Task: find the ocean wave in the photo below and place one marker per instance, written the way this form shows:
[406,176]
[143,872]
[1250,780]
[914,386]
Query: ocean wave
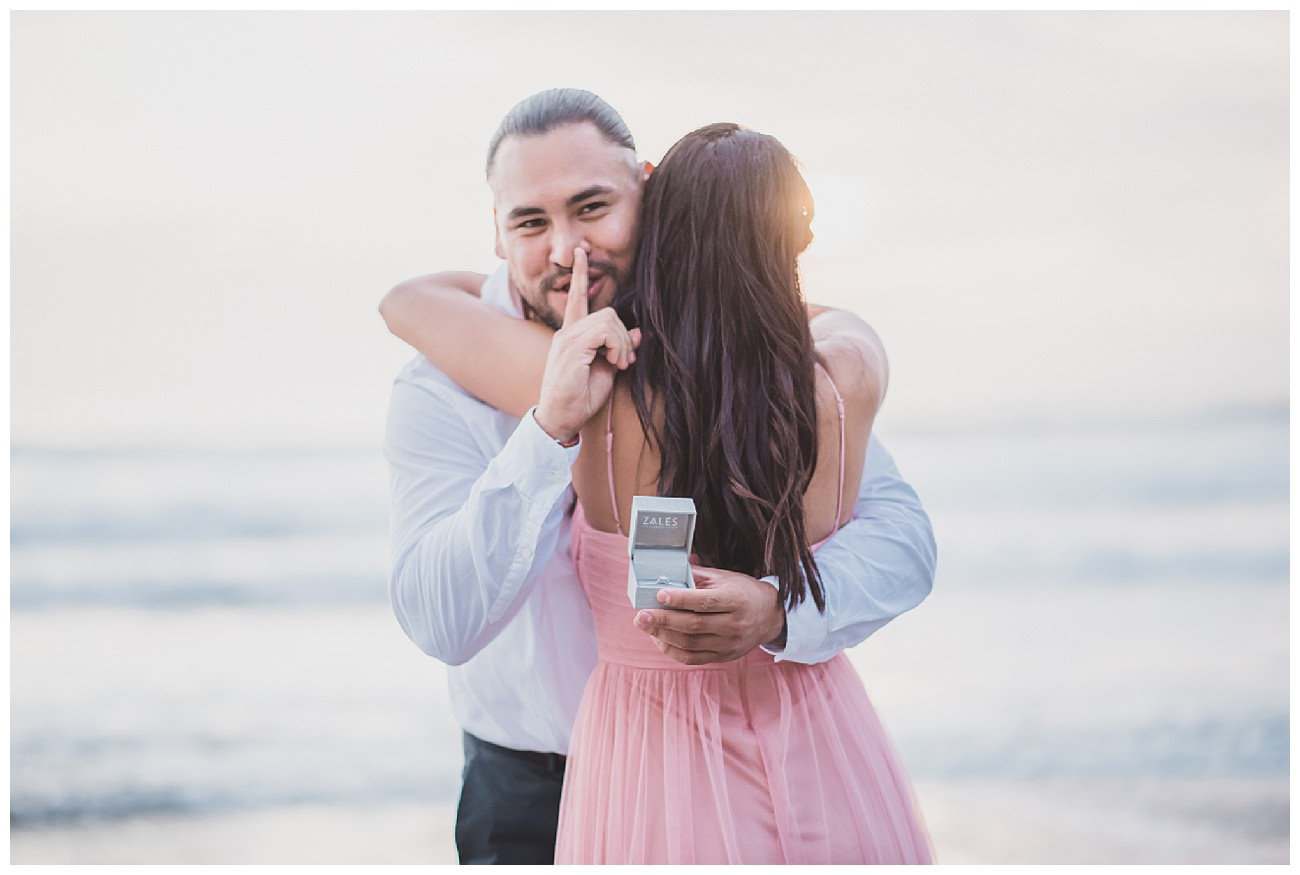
[103,497]
[1199,502]
[201,593]
[188,572]
[184,523]
[116,803]
[81,774]
[1211,746]
[118,712]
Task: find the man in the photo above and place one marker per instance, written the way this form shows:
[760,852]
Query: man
[482,577]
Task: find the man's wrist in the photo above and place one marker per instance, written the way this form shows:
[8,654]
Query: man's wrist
[566,439]
[777,644]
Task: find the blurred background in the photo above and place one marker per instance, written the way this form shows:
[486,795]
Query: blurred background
[1070,229]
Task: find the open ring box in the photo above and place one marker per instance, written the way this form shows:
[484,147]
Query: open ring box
[659,545]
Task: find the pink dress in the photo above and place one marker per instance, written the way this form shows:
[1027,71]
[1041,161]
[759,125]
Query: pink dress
[751,761]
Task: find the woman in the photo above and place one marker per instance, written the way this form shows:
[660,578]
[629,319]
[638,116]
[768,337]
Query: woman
[761,416]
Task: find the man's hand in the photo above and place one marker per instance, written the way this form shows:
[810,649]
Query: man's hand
[584,355]
[730,615]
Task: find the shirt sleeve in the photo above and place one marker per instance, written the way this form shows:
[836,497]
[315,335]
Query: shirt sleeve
[471,528]
[878,566]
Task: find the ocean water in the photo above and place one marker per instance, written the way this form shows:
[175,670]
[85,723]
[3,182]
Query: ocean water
[200,639]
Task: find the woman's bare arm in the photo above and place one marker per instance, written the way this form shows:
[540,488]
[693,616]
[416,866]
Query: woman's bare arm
[495,357]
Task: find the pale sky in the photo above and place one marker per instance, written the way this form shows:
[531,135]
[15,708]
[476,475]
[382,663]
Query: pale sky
[1067,217]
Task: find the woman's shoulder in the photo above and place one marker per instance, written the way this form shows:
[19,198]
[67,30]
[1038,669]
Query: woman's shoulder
[852,354]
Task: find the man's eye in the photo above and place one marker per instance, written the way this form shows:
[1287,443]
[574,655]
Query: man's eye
[530,224]
[592,207]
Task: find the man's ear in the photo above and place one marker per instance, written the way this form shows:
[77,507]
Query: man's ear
[496,236]
[646,169]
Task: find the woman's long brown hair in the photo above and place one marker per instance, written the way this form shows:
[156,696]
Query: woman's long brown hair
[723,382]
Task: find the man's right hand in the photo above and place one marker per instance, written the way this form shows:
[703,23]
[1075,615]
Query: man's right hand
[586,352]
[727,615]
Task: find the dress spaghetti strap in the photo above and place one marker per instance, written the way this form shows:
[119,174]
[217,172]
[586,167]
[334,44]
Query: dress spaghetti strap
[609,461]
[839,493]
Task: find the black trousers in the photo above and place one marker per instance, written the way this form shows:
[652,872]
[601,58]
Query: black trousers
[509,805]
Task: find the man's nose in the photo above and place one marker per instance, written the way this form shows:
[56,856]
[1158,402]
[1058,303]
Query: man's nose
[565,237]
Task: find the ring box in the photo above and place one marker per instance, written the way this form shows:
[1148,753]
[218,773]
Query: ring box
[659,546]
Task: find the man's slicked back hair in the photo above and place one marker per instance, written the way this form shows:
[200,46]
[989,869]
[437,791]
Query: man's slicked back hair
[548,110]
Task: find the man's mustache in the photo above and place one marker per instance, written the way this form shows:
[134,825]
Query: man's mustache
[552,282]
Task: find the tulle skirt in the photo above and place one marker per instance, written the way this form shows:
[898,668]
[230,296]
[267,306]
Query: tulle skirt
[751,761]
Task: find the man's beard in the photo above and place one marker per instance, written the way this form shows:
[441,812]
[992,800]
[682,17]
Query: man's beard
[537,308]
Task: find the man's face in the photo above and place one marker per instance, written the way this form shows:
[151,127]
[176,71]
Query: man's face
[553,193]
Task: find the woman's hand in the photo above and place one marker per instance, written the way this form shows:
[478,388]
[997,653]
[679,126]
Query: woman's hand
[586,353]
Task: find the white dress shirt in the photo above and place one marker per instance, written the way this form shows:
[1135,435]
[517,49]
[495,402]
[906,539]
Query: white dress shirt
[483,580]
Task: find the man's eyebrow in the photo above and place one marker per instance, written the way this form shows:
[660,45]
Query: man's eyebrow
[520,212]
[586,193]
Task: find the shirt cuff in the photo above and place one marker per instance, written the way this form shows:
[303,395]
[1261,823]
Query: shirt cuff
[534,460]
[805,629]
[776,651]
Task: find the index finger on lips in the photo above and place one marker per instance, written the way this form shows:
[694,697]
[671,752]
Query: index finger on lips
[576,307]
